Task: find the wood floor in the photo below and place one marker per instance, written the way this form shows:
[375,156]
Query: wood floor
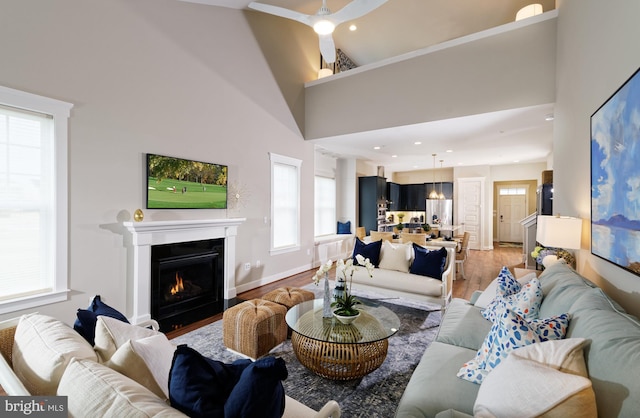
[480,269]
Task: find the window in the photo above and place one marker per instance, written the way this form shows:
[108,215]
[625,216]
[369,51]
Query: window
[285,204]
[325,206]
[33,200]
[512,191]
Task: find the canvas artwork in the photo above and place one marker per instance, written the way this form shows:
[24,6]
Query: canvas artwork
[615,177]
[177,183]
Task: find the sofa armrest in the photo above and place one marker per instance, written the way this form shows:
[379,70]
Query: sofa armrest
[295,409]
[452,413]
[8,379]
[330,410]
[149,323]
[474,296]
[447,274]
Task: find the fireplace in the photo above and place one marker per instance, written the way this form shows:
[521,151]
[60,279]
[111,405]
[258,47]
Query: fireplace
[150,234]
[187,282]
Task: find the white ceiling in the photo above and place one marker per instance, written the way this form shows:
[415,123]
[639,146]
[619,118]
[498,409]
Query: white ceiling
[401,26]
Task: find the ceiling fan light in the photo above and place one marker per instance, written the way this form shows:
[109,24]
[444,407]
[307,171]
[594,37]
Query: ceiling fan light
[323,27]
[324,72]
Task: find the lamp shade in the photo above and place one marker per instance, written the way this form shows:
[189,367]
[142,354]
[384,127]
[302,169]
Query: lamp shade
[559,232]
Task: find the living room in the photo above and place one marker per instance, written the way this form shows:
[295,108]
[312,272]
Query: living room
[142,81]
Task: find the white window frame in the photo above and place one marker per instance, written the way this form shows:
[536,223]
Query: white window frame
[60,111]
[277,159]
[334,224]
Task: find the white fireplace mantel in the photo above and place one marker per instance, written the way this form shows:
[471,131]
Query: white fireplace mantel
[146,234]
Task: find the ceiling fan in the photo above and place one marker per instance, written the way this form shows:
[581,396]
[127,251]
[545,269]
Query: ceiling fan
[323,22]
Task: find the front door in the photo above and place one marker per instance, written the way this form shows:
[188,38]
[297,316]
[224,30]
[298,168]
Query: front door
[511,210]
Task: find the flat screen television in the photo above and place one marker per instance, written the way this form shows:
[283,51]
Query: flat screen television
[178,183]
[615,177]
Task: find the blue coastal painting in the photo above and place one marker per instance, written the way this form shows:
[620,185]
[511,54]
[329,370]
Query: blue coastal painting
[615,177]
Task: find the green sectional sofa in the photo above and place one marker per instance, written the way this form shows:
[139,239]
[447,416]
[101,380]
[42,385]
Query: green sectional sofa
[611,352]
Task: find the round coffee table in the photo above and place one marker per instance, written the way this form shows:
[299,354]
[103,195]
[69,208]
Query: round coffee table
[338,351]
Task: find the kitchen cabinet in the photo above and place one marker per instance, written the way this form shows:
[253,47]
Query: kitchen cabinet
[445,187]
[393,196]
[372,195]
[412,197]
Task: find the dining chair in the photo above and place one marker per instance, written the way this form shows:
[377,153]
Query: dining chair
[463,253]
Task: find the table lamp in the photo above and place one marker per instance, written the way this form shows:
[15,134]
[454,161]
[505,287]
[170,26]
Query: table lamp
[561,232]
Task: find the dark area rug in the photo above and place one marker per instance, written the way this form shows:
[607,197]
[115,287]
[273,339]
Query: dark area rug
[375,395]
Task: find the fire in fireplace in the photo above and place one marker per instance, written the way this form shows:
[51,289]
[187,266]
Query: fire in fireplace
[187,282]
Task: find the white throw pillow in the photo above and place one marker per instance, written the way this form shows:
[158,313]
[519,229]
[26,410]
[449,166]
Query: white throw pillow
[95,390]
[395,256]
[112,333]
[489,294]
[147,361]
[532,382]
[42,348]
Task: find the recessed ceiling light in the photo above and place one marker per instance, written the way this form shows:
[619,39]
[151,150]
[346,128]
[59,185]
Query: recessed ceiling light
[449,150]
[516,161]
[352,28]
[394,156]
[549,117]
[417,143]
[376,147]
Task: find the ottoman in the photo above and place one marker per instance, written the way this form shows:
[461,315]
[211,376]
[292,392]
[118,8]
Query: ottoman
[289,296]
[254,327]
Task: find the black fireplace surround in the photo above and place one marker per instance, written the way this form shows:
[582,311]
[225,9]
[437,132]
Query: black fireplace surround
[187,282]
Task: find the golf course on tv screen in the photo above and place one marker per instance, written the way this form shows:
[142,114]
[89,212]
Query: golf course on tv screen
[176,183]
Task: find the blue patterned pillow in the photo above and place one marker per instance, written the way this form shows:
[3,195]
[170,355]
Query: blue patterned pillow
[510,331]
[525,302]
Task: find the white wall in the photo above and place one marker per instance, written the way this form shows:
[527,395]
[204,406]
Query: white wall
[347,191]
[159,76]
[597,52]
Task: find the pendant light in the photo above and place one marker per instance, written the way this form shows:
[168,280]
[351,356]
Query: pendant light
[441,195]
[434,194]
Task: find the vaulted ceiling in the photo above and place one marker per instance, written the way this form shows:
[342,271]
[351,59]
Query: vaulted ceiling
[403,26]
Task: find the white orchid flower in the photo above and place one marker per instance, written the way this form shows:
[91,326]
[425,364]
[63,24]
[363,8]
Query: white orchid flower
[322,271]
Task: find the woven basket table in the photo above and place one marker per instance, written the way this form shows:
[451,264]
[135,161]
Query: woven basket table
[288,296]
[254,327]
[337,351]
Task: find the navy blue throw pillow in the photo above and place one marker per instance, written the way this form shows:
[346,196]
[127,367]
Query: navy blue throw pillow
[85,323]
[344,227]
[370,251]
[200,386]
[428,263]
[259,392]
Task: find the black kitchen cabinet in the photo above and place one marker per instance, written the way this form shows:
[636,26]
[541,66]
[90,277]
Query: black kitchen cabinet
[445,187]
[412,197]
[393,196]
[372,192]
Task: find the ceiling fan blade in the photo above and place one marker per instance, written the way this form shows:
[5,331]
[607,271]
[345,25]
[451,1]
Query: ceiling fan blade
[327,48]
[280,11]
[355,9]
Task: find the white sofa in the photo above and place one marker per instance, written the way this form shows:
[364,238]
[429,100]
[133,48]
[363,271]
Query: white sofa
[52,359]
[393,277]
